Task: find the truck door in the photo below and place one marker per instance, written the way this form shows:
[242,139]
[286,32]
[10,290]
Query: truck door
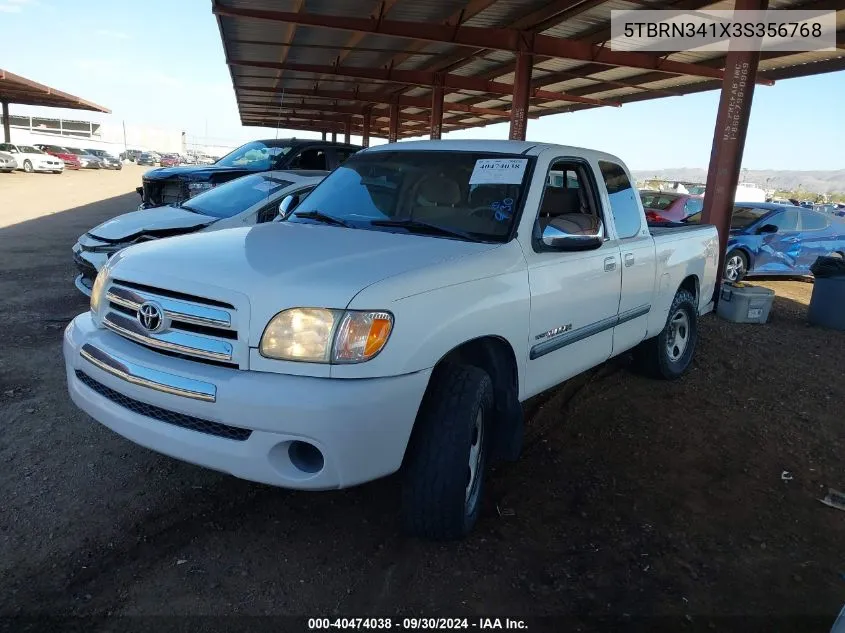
[574,295]
[638,257]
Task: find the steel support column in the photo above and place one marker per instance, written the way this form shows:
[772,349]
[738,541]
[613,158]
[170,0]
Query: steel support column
[334,136]
[346,129]
[365,137]
[436,112]
[7,133]
[521,90]
[324,136]
[393,132]
[729,136]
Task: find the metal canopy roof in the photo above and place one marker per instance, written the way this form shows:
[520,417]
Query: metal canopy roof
[321,64]
[17,89]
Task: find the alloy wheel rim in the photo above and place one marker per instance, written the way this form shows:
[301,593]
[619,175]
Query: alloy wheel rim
[474,462]
[679,335]
[734,268]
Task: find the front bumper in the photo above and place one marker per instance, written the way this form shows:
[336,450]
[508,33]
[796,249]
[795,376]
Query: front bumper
[88,264]
[48,168]
[360,427]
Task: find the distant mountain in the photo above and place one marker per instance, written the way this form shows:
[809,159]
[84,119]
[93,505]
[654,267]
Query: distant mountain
[813,181]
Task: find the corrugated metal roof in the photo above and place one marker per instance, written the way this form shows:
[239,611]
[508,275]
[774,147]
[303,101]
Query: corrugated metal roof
[346,60]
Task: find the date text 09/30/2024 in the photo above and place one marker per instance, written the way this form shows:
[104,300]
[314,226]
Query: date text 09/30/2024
[416,624]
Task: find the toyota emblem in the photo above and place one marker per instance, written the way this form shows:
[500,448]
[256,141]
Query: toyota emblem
[150,316]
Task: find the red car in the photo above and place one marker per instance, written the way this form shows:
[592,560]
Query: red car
[70,160]
[668,206]
[170,160]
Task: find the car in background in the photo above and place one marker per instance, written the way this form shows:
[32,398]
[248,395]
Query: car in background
[8,164]
[187,159]
[108,161]
[172,185]
[131,155]
[70,160]
[170,160]
[30,159]
[252,199]
[86,160]
[777,239]
[668,206]
[146,158]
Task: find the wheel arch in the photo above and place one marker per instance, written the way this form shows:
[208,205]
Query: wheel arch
[496,356]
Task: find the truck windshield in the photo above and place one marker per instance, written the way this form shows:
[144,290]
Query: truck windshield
[470,195]
[256,155]
[238,195]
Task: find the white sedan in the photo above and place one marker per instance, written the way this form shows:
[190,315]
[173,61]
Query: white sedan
[32,159]
[245,201]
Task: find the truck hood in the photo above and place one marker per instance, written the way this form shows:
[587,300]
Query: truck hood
[196,173]
[283,265]
[158,222]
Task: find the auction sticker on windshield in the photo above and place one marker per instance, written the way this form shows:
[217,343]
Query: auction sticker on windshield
[498,171]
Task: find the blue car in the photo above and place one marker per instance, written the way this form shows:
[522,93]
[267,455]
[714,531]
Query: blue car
[778,239]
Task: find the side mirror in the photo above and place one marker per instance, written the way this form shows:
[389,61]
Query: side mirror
[767,228]
[571,233]
[287,206]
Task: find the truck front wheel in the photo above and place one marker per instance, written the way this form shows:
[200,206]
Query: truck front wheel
[669,354]
[443,473]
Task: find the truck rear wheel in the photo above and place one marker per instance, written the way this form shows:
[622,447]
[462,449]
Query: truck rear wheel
[443,474]
[669,354]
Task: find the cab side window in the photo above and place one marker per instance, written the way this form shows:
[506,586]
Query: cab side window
[314,158]
[623,200]
[568,202]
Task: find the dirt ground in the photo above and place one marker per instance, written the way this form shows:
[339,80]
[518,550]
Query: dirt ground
[637,505]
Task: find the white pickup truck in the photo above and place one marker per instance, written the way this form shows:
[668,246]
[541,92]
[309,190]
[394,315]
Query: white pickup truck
[396,321]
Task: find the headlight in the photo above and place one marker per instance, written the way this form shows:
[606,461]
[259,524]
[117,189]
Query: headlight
[195,188]
[320,335]
[98,289]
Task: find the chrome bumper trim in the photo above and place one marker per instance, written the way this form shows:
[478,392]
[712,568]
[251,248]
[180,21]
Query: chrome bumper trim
[146,377]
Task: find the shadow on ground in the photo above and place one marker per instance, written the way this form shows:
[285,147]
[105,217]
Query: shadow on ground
[634,499]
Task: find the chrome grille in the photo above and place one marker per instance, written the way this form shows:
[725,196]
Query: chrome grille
[204,330]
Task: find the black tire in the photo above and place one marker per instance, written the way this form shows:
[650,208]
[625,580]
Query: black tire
[654,358]
[437,501]
[27,167]
[736,258]
[57,172]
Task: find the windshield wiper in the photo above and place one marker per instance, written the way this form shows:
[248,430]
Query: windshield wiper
[321,217]
[416,226]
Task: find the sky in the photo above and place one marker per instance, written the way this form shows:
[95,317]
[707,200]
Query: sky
[160,63]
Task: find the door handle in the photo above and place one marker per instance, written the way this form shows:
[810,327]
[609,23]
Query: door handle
[629,259]
[609,264]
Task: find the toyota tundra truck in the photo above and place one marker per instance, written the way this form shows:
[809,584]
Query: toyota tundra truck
[394,323]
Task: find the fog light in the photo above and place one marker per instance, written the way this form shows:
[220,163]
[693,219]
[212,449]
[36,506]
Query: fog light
[306,457]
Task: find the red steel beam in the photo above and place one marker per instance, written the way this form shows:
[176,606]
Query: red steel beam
[394,123]
[421,78]
[729,136]
[375,98]
[365,132]
[339,111]
[503,39]
[404,102]
[436,113]
[521,89]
